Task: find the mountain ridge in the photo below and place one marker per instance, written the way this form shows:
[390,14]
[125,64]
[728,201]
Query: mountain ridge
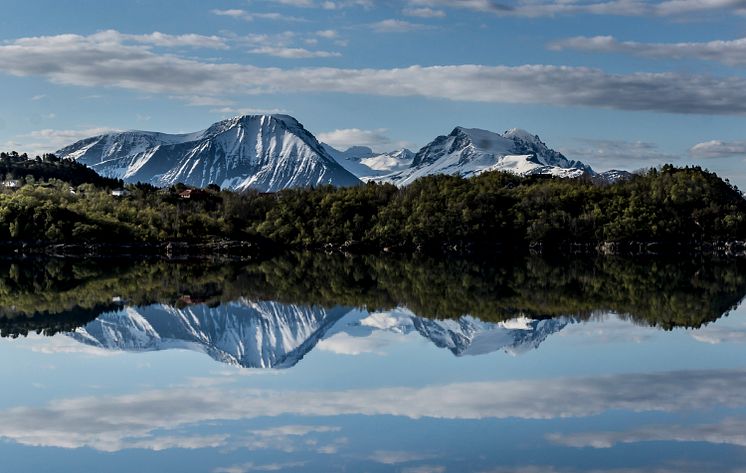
[263,152]
[274,152]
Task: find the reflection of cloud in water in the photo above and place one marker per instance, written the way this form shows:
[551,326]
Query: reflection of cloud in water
[55,345]
[716,334]
[729,431]
[394,457]
[345,344]
[608,328]
[425,469]
[248,467]
[678,467]
[117,422]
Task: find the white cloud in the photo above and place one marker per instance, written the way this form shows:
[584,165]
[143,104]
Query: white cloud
[393,25]
[328,34]
[247,16]
[173,41]
[292,53]
[347,137]
[718,149]
[731,52]
[424,12]
[88,61]
[294,430]
[327,4]
[544,8]
[233,13]
[50,140]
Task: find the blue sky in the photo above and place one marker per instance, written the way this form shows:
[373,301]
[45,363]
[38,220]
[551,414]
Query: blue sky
[614,83]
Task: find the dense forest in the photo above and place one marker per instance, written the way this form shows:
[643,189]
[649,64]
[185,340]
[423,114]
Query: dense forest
[63,202]
[47,296]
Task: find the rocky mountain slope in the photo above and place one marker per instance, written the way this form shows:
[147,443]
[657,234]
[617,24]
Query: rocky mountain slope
[471,151]
[263,152]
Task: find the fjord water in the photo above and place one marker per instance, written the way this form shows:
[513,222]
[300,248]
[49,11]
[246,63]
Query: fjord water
[330,363]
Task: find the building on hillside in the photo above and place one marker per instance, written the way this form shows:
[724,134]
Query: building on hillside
[192,194]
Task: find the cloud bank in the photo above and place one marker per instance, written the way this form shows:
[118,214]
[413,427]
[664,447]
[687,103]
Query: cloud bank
[113,61]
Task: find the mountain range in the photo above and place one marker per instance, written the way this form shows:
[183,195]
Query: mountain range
[273,152]
[265,334]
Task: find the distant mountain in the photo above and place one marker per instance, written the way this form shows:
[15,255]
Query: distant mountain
[263,152]
[364,163]
[471,151]
[393,161]
[274,335]
[353,153]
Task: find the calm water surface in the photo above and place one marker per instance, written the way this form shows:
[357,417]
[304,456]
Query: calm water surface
[320,363]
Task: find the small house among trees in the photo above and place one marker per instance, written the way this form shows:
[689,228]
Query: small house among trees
[192,194]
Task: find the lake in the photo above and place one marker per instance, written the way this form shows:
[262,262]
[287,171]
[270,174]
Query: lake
[367,364]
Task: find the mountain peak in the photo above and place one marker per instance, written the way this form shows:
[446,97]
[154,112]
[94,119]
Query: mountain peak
[522,135]
[472,151]
[285,121]
[263,152]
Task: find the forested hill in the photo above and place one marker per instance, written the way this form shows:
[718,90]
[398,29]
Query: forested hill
[670,207]
[22,168]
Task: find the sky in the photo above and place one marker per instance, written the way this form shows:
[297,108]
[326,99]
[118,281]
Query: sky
[617,84]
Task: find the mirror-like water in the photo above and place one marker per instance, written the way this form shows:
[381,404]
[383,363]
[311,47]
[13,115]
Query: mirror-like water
[322,363]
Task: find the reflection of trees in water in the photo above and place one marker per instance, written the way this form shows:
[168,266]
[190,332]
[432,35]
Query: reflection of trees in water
[48,296]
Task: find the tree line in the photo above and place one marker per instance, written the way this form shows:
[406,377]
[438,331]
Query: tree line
[64,202]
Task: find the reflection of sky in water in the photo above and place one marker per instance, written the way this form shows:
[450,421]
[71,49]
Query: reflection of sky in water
[375,394]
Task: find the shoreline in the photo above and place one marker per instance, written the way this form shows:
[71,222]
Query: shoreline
[245,250]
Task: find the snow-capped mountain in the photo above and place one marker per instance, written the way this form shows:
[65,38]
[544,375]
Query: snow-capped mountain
[263,152]
[393,161]
[364,163]
[471,151]
[245,333]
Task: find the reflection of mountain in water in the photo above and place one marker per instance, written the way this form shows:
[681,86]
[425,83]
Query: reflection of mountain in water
[463,336]
[245,333]
[275,335]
